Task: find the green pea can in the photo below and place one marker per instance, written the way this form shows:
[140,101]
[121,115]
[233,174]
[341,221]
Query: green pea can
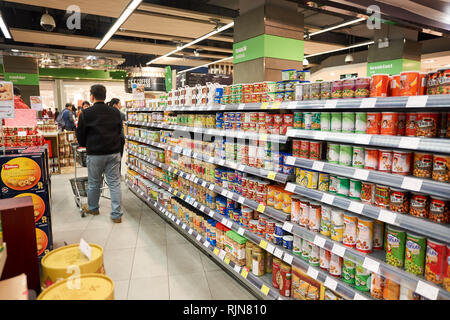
[333,153]
[298,119]
[362,279]
[325,121]
[334,183]
[348,122]
[348,271]
[395,246]
[345,155]
[343,186]
[336,121]
[358,157]
[354,191]
[360,122]
[415,253]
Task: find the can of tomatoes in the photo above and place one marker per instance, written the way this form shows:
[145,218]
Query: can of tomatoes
[315,150]
[373,122]
[371,158]
[389,123]
[410,126]
[304,149]
[401,162]
[385,160]
[367,192]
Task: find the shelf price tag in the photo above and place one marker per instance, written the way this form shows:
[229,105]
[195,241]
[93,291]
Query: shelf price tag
[330,283]
[288,258]
[263,244]
[318,165]
[288,226]
[182,196]
[204,184]
[241,106]
[313,273]
[175,192]
[222,254]
[327,198]
[371,265]
[190,231]
[226,260]
[270,248]
[211,186]
[292,105]
[264,105]
[290,187]
[361,174]
[409,143]
[199,237]
[265,289]
[357,296]
[261,208]
[202,208]
[290,161]
[356,207]
[224,221]
[241,231]
[331,104]
[276,105]
[241,200]
[411,184]
[271,175]
[211,213]
[244,272]
[417,102]
[319,241]
[278,253]
[85,248]
[368,103]
[387,216]
[338,250]
[241,167]
[426,290]
[237,268]
[362,138]
[224,193]
[206,244]
[184,226]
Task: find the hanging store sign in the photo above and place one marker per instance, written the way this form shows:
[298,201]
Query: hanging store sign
[148,83]
[28,79]
[392,67]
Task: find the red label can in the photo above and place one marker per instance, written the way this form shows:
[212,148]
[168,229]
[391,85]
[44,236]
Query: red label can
[373,122]
[385,160]
[304,149]
[389,123]
[371,159]
[286,279]
[278,119]
[288,119]
[296,147]
[435,262]
[269,119]
[410,130]
[401,130]
[315,150]
[401,162]
[276,267]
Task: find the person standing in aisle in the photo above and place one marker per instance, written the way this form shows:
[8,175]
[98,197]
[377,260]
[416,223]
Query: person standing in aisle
[67,118]
[115,103]
[99,130]
[18,102]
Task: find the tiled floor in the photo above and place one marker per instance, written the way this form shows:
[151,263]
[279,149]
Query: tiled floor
[146,257]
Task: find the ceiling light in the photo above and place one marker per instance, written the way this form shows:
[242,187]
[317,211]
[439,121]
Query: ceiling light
[4,28]
[336,27]
[77,78]
[332,73]
[341,49]
[196,53]
[14,50]
[305,62]
[206,36]
[123,17]
[205,65]
[88,67]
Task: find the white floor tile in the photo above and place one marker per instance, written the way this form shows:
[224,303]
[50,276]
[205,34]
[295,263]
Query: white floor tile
[122,238]
[121,289]
[208,263]
[118,263]
[191,286]
[183,259]
[224,287]
[69,237]
[154,288]
[98,236]
[150,261]
[174,237]
[151,234]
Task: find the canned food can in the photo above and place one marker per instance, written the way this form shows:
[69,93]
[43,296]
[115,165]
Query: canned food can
[337,232]
[345,155]
[315,150]
[348,122]
[288,242]
[439,210]
[398,201]
[324,181]
[382,196]
[307,119]
[312,179]
[385,160]
[279,240]
[436,262]
[325,121]
[304,218]
[314,255]
[303,179]
[358,157]
[350,226]
[410,126]
[334,183]
[401,130]
[419,206]
[304,149]
[377,286]
[378,234]
[314,216]
[336,121]
[325,90]
[279,229]
[360,122]
[298,120]
[306,250]
[415,253]
[297,246]
[325,221]
[354,189]
[373,122]
[336,89]
[348,271]
[389,123]
[362,279]
[364,235]
[315,121]
[395,246]
[371,158]
[324,256]
[343,186]
[335,265]
[333,153]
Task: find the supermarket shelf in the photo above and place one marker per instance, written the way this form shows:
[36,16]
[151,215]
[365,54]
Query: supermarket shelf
[433,101]
[50,134]
[269,211]
[286,255]
[3,256]
[267,174]
[261,285]
[427,186]
[375,262]
[425,227]
[214,132]
[412,143]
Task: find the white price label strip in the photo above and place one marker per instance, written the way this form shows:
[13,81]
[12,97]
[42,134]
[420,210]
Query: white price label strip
[426,290]
[190,231]
[211,213]
[362,138]
[230,194]
[241,106]
[338,250]
[199,237]
[327,198]
[241,167]
[292,105]
[206,244]
[387,216]
[371,265]
[288,226]
[356,207]
[361,174]
[368,103]
[237,268]
[318,166]
[224,193]
[288,258]
[202,208]
[313,273]
[204,184]
[184,226]
[241,200]
[224,221]
[290,187]
[241,231]
[330,283]
[331,104]
[357,296]
[278,253]
[417,102]
[409,143]
[319,241]
[320,135]
[222,254]
[229,224]
[411,184]
[290,161]
[270,248]
[211,187]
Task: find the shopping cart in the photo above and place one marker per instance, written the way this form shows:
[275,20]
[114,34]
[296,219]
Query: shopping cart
[80,184]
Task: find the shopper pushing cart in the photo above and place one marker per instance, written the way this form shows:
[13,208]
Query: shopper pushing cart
[99,130]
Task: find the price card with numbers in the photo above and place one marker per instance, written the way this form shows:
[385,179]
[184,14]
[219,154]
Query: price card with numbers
[241,231]
[271,175]
[263,244]
[199,237]
[312,272]
[288,258]
[427,290]
[330,283]
[270,248]
[288,226]
[265,289]
[190,231]
[237,268]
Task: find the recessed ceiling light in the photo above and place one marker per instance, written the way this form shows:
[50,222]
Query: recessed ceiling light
[14,50]
[77,78]
[332,73]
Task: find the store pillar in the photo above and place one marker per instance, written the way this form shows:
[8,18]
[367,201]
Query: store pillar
[402,51]
[268,38]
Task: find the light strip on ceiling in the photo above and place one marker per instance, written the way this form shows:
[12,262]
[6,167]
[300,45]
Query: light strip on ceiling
[341,49]
[336,27]
[4,28]
[123,17]
[205,65]
[206,36]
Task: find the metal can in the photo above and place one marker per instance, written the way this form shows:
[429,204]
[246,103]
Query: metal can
[373,122]
[385,160]
[398,201]
[348,271]
[410,130]
[306,250]
[312,179]
[333,153]
[436,262]
[350,225]
[360,122]
[371,159]
[303,179]
[307,119]
[325,121]
[335,265]
[378,235]
[324,181]
[314,255]
[345,155]
[288,242]
[439,210]
[395,246]
[415,253]
[401,162]
[295,209]
[315,121]
[362,279]
[377,286]
[382,196]
[315,150]
[324,259]
[358,157]
[348,122]
[279,229]
[389,123]
[314,216]
[343,186]
[334,183]
[336,121]
[297,246]
[419,206]
[304,149]
[304,218]
[325,220]
[364,235]
[354,192]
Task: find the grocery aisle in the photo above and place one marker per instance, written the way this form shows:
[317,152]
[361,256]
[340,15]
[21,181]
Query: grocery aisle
[146,257]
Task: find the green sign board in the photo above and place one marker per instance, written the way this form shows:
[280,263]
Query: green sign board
[30,79]
[268,46]
[392,67]
[168,78]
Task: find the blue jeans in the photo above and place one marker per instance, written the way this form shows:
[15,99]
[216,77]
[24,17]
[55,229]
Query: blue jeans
[110,166]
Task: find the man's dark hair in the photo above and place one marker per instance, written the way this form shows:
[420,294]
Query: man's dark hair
[17,91]
[113,102]
[68,105]
[85,102]
[99,92]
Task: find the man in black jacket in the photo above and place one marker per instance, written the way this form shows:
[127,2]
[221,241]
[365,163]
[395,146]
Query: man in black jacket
[99,130]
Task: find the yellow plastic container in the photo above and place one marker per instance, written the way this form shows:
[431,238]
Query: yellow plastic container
[64,262]
[90,286]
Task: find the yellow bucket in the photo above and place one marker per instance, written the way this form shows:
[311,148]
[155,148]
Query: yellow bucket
[68,261]
[90,286]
